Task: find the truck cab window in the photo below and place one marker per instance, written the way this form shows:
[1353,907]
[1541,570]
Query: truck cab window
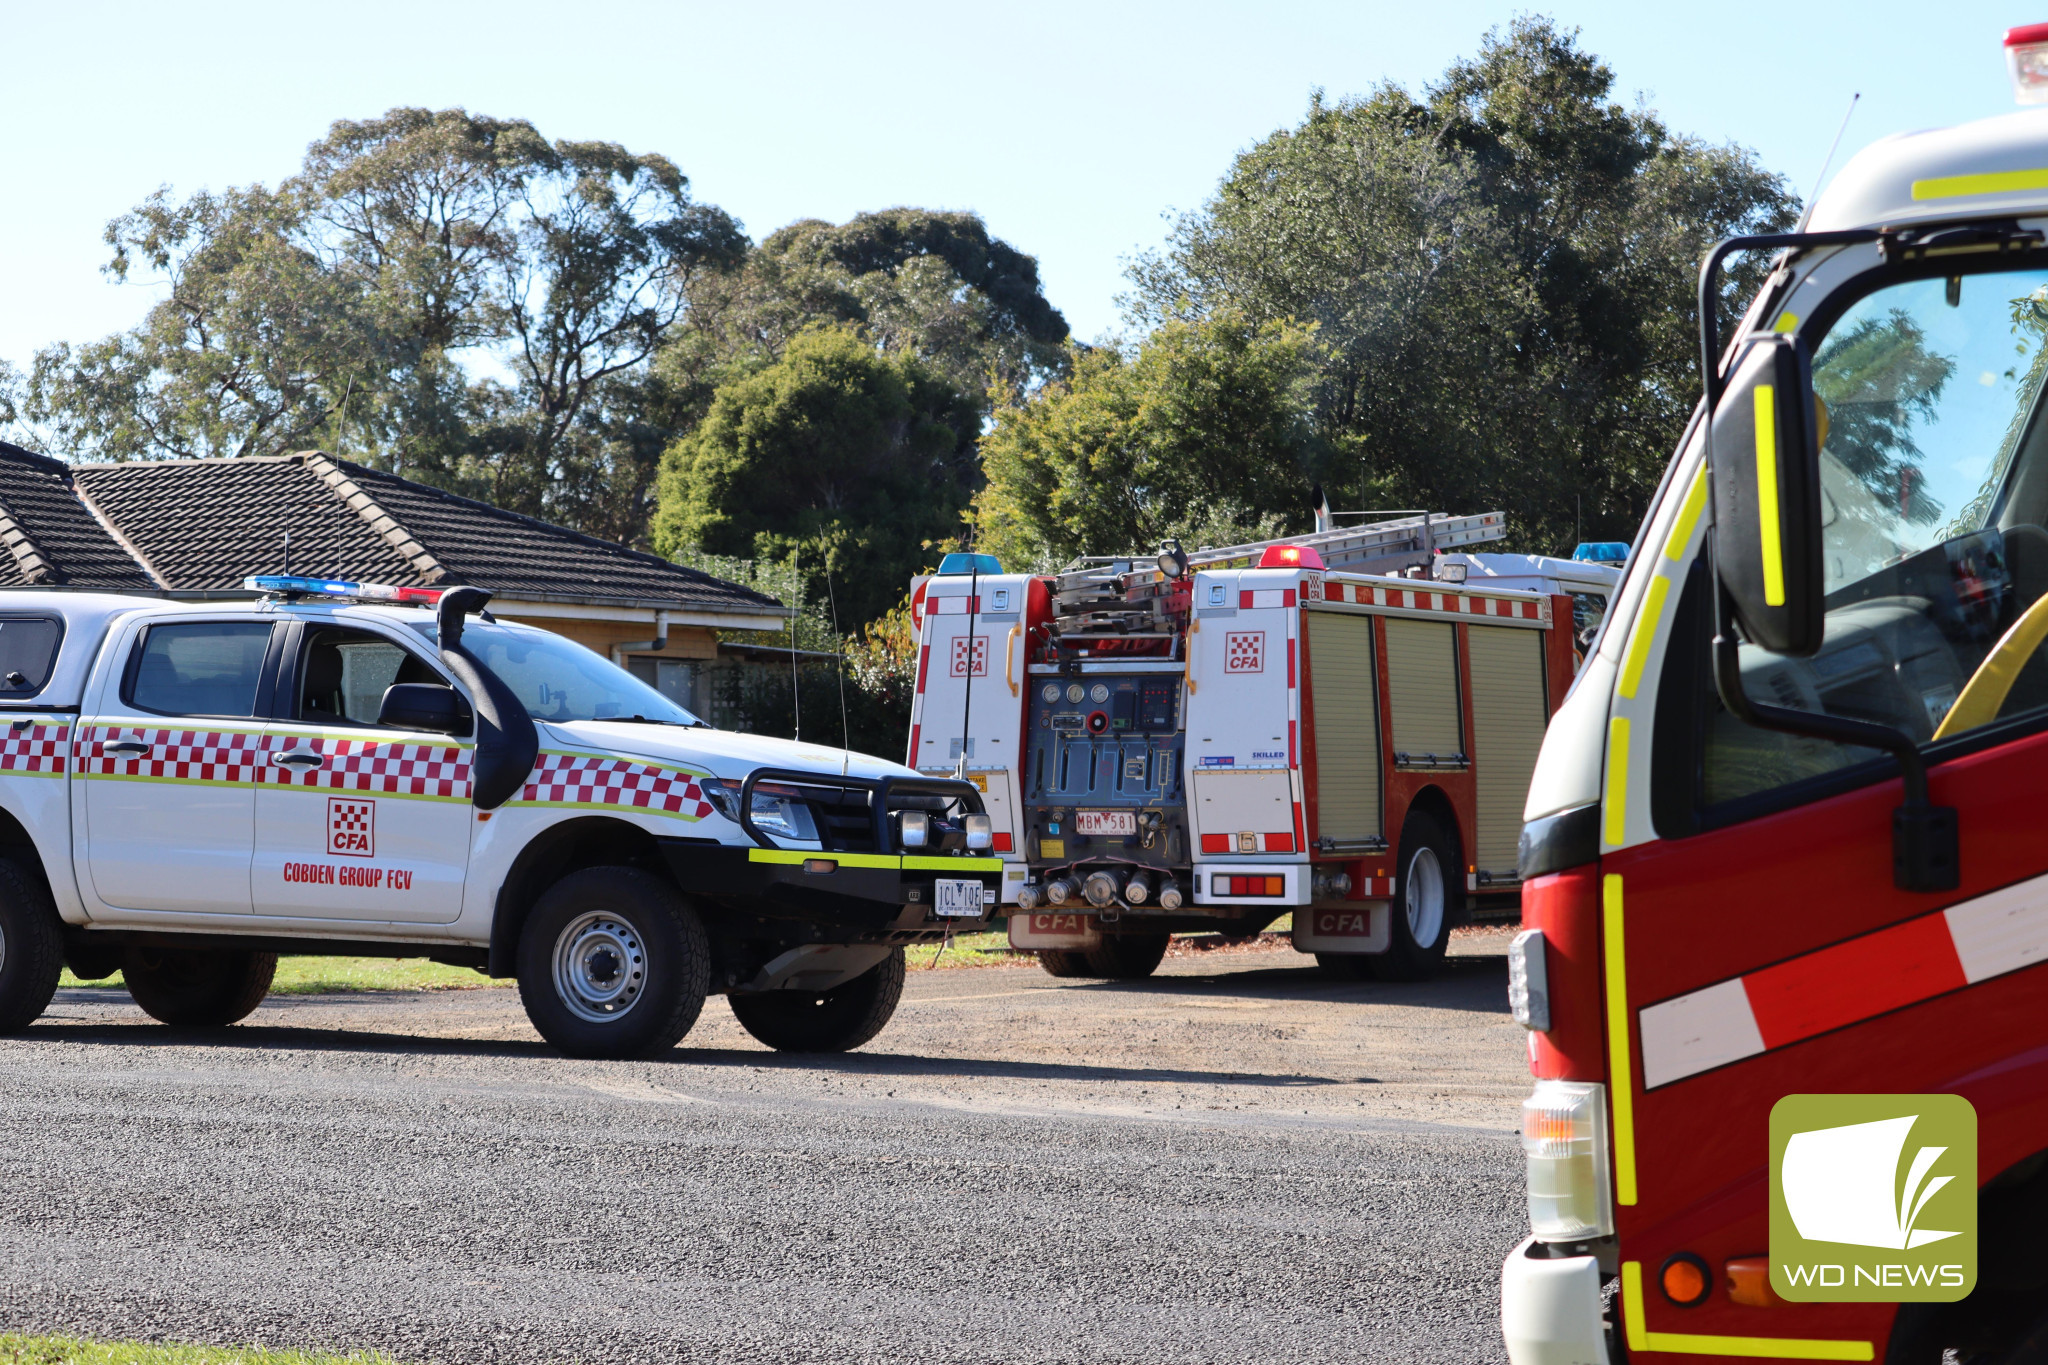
[28,651]
[200,668]
[1934,482]
[342,675]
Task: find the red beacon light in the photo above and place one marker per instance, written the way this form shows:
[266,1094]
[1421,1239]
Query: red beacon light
[1290,557]
[2026,57]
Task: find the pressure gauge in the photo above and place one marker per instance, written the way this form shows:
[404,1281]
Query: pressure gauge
[1099,693]
[1075,692]
[1052,692]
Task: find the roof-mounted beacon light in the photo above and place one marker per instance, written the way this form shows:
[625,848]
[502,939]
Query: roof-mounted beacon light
[1614,552]
[293,585]
[964,564]
[1290,557]
[2026,58]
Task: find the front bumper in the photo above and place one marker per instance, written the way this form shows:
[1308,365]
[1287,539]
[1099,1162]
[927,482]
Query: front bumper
[860,892]
[1550,1308]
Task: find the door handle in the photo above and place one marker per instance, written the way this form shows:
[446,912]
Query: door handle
[299,758]
[133,747]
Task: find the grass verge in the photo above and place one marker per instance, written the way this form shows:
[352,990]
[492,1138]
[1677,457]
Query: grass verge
[20,1350]
[319,975]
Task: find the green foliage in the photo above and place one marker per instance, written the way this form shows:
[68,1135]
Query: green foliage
[363,304]
[847,460]
[1501,272]
[1205,434]
[936,286]
[28,1350]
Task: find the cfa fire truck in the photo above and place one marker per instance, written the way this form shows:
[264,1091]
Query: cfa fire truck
[1785,838]
[1329,726]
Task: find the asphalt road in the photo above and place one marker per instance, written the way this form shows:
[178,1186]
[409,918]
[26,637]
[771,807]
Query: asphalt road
[1235,1162]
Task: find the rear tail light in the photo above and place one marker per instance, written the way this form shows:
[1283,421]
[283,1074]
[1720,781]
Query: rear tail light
[1564,1137]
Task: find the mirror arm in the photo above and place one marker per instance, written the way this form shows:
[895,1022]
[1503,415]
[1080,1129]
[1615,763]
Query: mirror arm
[1925,855]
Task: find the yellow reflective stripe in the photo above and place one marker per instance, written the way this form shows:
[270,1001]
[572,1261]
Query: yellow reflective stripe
[1617,780]
[913,863]
[1641,1338]
[1786,322]
[1688,517]
[1992,182]
[1767,494]
[797,855]
[1646,631]
[1621,1079]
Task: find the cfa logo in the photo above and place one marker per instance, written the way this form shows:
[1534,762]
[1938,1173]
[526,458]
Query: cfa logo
[1873,1198]
[352,827]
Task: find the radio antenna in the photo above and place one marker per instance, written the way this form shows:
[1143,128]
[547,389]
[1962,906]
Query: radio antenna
[1833,147]
[839,662]
[973,610]
[796,691]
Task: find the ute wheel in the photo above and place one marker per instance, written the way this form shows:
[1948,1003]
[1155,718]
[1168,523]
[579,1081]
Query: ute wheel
[1127,957]
[197,987]
[1348,966]
[31,947]
[613,963]
[837,1020]
[1428,896]
[1063,962]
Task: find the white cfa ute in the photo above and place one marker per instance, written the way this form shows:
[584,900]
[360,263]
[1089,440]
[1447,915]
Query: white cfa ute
[188,790]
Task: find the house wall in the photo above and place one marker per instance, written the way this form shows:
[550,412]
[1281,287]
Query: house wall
[684,642]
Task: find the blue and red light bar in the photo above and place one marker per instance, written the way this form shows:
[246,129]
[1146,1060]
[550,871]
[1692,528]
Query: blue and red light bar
[343,587]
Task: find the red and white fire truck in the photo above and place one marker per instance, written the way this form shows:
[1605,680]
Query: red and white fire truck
[1329,726]
[1785,838]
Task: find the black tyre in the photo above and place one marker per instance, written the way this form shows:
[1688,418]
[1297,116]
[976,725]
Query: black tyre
[1127,957]
[1348,966]
[1429,896]
[837,1020]
[31,947]
[195,987]
[613,963]
[1063,962]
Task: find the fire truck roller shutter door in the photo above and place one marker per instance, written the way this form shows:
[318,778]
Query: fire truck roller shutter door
[1422,689]
[1344,685]
[1508,718]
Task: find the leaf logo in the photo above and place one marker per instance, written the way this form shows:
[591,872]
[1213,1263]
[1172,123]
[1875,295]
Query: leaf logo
[1844,1185]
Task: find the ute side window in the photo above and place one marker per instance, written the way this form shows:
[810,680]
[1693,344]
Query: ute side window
[342,675]
[28,654]
[1934,478]
[200,668]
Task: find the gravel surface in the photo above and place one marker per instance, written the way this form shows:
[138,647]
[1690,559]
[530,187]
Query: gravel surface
[1235,1161]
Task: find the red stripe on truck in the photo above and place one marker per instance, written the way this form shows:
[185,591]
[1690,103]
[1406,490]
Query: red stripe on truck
[1865,976]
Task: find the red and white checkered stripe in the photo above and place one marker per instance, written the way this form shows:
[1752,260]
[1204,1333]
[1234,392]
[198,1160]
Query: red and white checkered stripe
[369,765]
[174,755]
[1846,983]
[1531,608]
[34,749]
[588,779]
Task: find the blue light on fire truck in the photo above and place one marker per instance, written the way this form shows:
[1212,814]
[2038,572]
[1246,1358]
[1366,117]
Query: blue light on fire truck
[2026,57]
[964,564]
[343,587]
[1613,552]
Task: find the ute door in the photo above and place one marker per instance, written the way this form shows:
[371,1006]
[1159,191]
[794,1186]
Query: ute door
[167,763]
[354,820]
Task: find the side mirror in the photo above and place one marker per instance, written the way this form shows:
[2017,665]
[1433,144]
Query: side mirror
[424,706]
[1766,489]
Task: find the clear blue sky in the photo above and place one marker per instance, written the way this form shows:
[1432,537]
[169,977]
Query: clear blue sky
[1071,127]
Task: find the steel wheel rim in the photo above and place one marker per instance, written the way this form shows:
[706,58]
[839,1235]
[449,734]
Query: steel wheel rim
[600,967]
[1425,898]
[3,947]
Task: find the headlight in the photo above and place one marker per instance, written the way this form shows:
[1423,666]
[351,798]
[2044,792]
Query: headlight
[1564,1136]
[981,831]
[1529,981]
[775,811]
